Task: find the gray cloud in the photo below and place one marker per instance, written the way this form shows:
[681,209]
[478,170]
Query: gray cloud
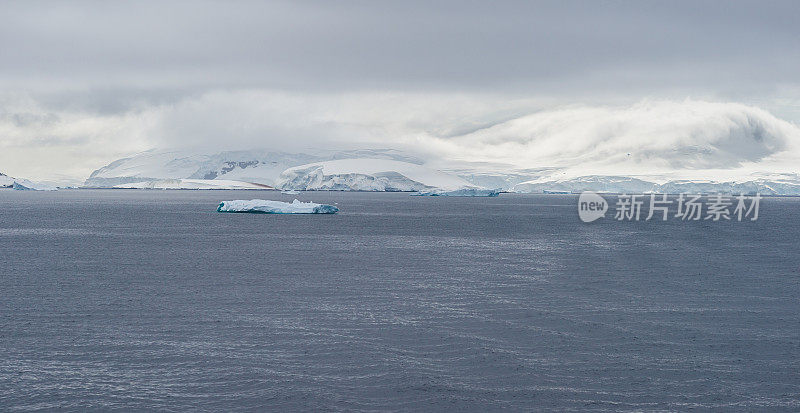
[85,82]
[543,47]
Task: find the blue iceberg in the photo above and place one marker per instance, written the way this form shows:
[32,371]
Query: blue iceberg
[262,206]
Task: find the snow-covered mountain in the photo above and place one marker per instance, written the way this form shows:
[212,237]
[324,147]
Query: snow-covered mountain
[256,167]
[192,184]
[357,170]
[262,167]
[6,181]
[368,175]
[788,184]
[594,183]
[391,170]
[24,184]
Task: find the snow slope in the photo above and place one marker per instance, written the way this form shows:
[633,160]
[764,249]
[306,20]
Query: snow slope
[616,184]
[192,184]
[258,166]
[147,166]
[6,181]
[787,184]
[368,175]
[688,146]
[465,192]
[24,184]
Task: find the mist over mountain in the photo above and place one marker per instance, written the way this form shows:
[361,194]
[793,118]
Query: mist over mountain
[659,136]
[679,89]
[650,146]
[655,141]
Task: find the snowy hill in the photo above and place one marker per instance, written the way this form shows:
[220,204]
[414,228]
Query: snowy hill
[192,184]
[594,183]
[360,170]
[368,175]
[257,167]
[6,181]
[392,170]
[24,184]
[147,166]
[262,167]
[788,184]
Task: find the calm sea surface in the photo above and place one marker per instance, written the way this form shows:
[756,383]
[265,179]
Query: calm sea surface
[150,300]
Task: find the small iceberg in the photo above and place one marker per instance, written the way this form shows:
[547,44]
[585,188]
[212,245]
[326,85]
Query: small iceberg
[290,192]
[460,192]
[261,206]
[26,185]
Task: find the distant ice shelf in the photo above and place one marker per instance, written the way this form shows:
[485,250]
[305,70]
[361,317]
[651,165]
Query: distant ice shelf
[262,206]
[460,192]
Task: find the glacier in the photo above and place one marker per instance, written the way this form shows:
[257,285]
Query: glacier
[256,166]
[262,206]
[352,170]
[6,181]
[773,184]
[26,185]
[360,174]
[461,192]
[192,184]
[663,147]
[595,183]
[20,184]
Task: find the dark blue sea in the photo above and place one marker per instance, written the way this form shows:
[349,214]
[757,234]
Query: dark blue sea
[152,301]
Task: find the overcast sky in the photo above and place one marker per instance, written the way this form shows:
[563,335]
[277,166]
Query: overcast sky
[84,82]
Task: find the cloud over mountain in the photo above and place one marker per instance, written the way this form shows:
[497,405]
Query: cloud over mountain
[652,136]
[648,136]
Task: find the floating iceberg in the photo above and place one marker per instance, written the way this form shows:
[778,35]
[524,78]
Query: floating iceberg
[290,192]
[460,192]
[26,185]
[261,206]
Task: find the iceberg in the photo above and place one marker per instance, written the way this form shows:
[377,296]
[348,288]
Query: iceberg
[290,192]
[261,206]
[460,192]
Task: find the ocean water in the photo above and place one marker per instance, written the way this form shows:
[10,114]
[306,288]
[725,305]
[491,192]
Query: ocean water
[150,300]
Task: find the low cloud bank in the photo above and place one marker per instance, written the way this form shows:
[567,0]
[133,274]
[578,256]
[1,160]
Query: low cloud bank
[658,136]
[650,137]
